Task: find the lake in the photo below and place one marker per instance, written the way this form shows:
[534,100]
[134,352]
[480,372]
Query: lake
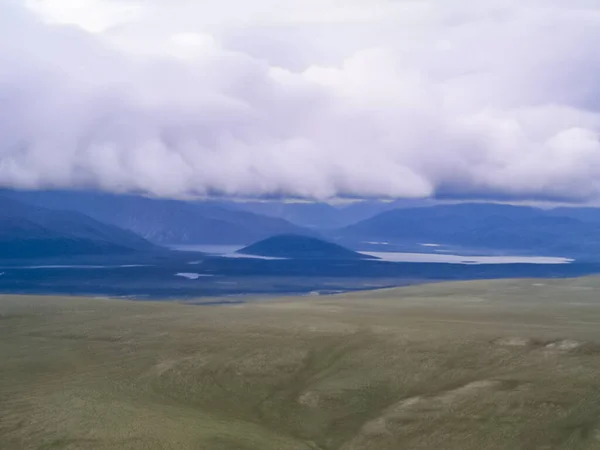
[228,251]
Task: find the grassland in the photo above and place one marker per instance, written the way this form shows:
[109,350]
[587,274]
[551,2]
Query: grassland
[469,366]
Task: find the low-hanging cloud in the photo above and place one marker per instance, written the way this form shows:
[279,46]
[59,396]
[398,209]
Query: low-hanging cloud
[474,99]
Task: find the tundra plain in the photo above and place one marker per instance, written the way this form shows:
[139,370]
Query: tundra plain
[505,364]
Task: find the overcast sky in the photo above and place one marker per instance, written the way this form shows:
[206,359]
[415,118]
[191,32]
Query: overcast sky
[303,98]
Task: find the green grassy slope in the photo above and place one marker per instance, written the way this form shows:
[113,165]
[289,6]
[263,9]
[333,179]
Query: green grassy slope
[477,365]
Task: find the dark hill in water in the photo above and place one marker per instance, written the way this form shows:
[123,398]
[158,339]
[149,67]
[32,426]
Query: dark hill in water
[300,247]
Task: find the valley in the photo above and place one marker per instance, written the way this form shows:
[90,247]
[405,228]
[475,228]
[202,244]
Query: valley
[91,243]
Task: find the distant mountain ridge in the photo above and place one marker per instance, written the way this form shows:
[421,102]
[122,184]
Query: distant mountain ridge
[323,216]
[301,247]
[168,222]
[32,231]
[518,229]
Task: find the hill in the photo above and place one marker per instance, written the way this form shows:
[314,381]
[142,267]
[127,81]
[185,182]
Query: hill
[32,231]
[485,227]
[301,247]
[168,222]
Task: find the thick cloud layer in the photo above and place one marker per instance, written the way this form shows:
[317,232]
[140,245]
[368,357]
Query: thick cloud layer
[337,98]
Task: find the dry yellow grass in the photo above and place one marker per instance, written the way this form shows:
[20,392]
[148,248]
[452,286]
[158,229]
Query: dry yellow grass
[469,366]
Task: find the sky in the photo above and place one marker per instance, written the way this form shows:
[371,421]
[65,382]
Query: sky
[313,99]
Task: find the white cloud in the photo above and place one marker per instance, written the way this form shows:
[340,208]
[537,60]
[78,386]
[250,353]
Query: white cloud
[92,15]
[347,98]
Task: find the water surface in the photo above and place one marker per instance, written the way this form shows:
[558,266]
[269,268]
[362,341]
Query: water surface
[228,251]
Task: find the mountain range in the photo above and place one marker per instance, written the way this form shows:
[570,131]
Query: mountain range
[100,222]
[169,222]
[214,222]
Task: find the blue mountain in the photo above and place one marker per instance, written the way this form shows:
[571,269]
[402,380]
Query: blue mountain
[32,231]
[479,226]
